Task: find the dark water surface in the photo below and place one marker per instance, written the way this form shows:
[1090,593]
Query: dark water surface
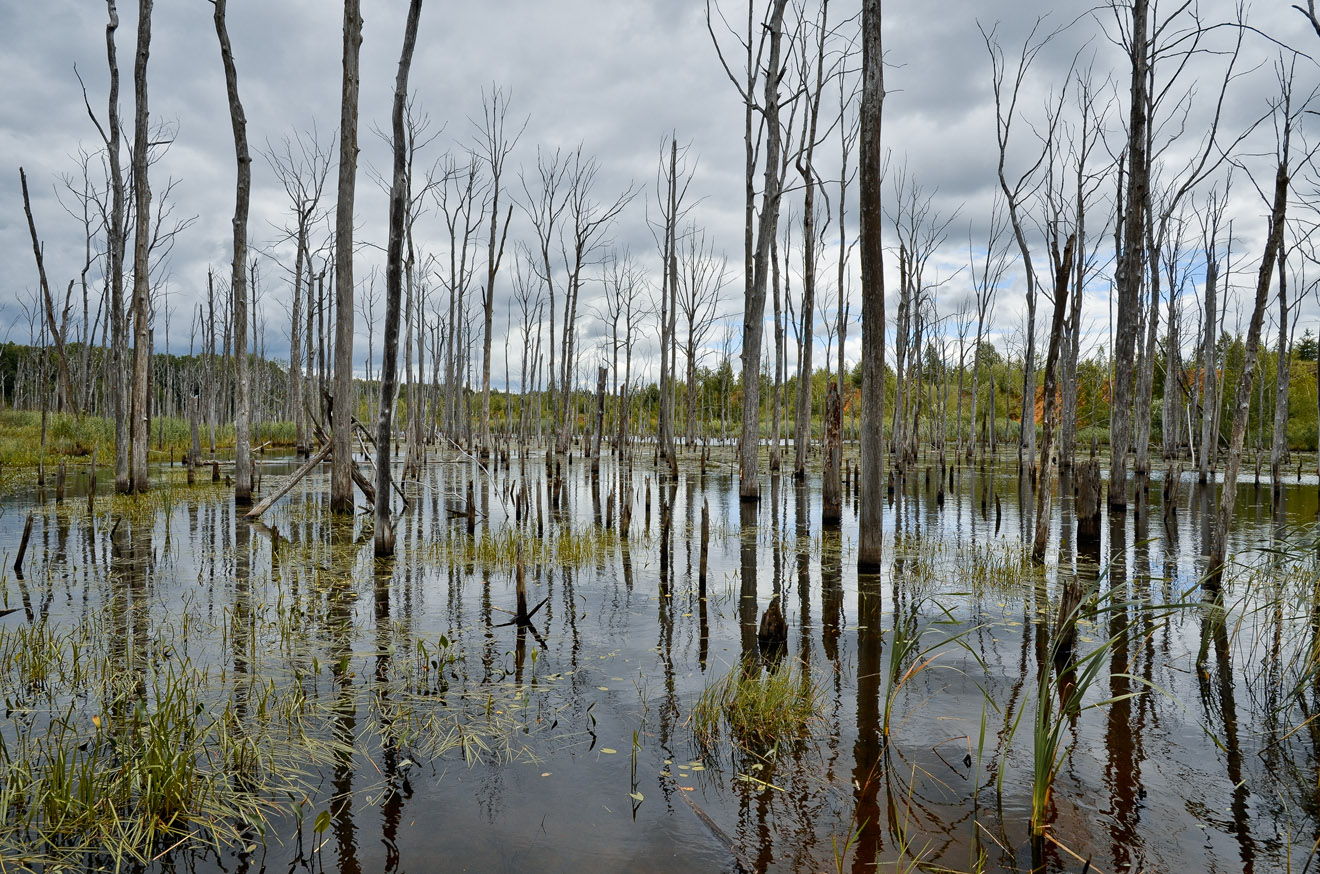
[1195,748]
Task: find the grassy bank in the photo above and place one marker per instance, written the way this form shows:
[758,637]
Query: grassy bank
[21,441]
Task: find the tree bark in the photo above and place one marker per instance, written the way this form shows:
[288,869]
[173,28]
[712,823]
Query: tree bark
[870,535]
[242,445]
[1279,445]
[1044,482]
[1245,384]
[1128,274]
[141,249]
[389,368]
[341,427]
[48,301]
[749,485]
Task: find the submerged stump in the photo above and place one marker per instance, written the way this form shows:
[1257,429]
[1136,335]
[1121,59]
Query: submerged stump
[1088,500]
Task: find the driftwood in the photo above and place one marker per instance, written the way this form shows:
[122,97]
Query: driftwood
[22,546]
[288,484]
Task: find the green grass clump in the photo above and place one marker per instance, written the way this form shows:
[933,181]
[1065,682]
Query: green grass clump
[66,435]
[761,708]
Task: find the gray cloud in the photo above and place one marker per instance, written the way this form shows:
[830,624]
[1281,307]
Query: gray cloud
[616,76]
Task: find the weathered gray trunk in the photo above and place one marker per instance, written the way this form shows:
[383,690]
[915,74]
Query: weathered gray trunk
[749,485]
[243,188]
[1246,380]
[1209,367]
[496,148]
[295,348]
[115,245]
[805,168]
[831,490]
[48,302]
[389,368]
[1129,269]
[870,534]
[1146,366]
[141,249]
[341,425]
[1279,445]
[1045,481]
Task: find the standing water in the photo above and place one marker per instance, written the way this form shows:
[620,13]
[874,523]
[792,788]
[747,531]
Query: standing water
[187,688]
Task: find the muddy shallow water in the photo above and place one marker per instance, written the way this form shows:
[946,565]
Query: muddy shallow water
[571,745]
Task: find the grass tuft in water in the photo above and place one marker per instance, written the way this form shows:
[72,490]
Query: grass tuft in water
[761,708]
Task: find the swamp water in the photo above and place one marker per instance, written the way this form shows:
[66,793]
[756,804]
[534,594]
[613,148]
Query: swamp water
[184,690]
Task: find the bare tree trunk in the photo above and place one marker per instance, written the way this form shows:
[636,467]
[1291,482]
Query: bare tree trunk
[295,351]
[1245,384]
[48,302]
[1279,445]
[341,429]
[242,445]
[831,492]
[389,369]
[1127,277]
[116,244]
[1045,485]
[141,249]
[749,485]
[870,535]
[1209,359]
[496,148]
[806,151]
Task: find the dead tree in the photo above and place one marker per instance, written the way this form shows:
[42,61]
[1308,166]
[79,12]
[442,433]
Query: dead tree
[302,176]
[1246,379]
[141,249]
[238,282]
[806,169]
[701,277]
[494,146]
[1063,264]
[48,302]
[341,428]
[986,278]
[389,374]
[870,535]
[1006,99]
[115,245]
[763,67]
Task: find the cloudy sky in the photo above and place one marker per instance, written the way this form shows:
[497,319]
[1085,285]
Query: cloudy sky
[617,76]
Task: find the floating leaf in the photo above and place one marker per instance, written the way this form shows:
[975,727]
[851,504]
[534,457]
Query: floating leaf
[608,751]
[322,822]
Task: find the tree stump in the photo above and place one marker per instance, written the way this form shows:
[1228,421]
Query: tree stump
[1088,500]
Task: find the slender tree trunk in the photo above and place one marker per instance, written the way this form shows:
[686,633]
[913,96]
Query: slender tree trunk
[1045,483]
[242,445]
[1209,368]
[1129,270]
[141,250]
[48,302]
[341,479]
[389,369]
[749,486]
[1245,383]
[295,348]
[1279,445]
[116,245]
[870,535]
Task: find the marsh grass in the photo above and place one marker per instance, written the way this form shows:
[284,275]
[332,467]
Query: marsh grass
[760,708]
[127,745]
[497,551]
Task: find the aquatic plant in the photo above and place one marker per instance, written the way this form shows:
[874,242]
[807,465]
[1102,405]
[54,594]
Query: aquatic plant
[760,707]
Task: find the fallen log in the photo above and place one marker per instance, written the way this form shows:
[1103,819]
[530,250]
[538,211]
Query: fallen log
[292,481]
